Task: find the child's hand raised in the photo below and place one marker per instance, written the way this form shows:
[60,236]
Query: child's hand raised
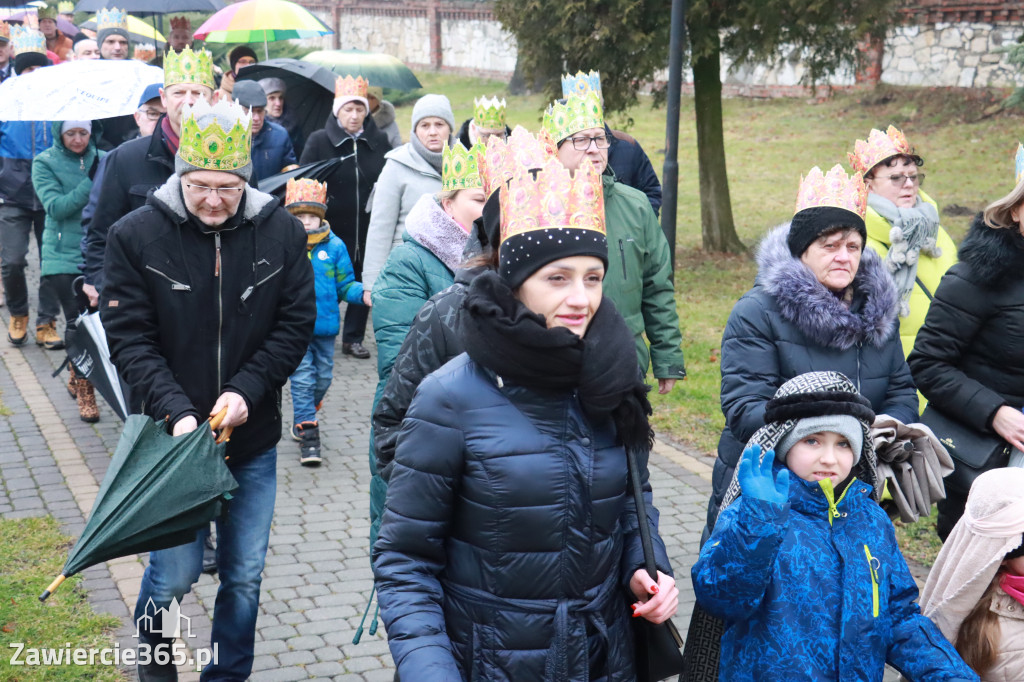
[756,477]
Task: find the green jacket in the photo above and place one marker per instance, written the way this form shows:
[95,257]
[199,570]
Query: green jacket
[639,278]
[62,183]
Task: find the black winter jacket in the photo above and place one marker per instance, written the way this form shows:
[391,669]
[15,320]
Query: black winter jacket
[509,536]
[632,167]
[349,186]
[789,324]
[131,172]
[191,312]
[968,359]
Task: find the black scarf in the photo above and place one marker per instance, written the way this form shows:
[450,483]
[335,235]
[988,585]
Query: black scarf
[503,335]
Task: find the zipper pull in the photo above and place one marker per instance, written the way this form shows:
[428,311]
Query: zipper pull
[81,162]
[216,266]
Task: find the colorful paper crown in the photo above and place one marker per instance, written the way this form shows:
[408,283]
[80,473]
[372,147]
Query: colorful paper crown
[25,39]
[180,22]
[835,189]
[350,87]
[489,113]
[145,52]
[878,147]
[578,113]
[5,31]
[581,83]
[460,167]
[1018,163]
[306,195]
[521,150]
[111,18]
[66,7]
[48,12]
[215,147]
[189,67]
[552,198]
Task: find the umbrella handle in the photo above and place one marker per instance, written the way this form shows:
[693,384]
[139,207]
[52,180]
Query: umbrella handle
[53,587]
[225,433]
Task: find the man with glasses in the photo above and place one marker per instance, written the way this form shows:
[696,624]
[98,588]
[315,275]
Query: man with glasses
[209,305]
[639,277]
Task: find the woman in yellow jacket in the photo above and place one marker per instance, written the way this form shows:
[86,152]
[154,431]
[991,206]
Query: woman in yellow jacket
[903,224]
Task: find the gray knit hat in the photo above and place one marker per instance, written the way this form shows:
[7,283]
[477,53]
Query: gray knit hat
[848,426]
[105,33]
[433,105]
[271,85]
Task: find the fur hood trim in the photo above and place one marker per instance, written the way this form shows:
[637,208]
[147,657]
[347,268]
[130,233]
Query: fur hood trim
[169,194]
[385,115]
[429,226]
[995,255]
[806,303]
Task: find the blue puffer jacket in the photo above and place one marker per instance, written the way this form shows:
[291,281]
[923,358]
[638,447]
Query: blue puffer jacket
[271,151]
[20,142]
[335,282]
[508,537]
[815,591]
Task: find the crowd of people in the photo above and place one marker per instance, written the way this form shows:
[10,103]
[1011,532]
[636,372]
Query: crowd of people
[521,292]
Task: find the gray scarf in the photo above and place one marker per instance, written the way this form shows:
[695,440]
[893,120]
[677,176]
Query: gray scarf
[913,232]
[433,158]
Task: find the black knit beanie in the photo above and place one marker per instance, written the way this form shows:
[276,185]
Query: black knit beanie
[25,60]
[239,52]
[523,254]
[811,223]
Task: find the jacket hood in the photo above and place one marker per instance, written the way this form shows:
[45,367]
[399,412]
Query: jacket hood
[806,303]
[58,141]
[385,115]
[429,226]
[995,255]
[168,198]
[408,157]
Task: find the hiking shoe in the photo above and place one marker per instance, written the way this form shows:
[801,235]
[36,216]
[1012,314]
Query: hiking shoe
[356,350]
[309,447]
[47,337]
[17,330]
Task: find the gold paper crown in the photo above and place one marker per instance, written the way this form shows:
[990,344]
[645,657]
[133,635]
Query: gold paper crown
[835,189]
[552,198]
[489,113]
[878,147]
[306,195]
[521,150]
[350,87]
[145,52]
[5,30]
[578,113]
[180,22]
[111,18]
[460,167]
[581,83]
[25,39]
[189,67]
[66,7]
[215,147]
[48,12]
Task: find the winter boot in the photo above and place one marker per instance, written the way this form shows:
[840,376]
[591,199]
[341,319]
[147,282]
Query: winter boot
[47,336]
[85,394]
[72,381]
[309,448]
[17,330]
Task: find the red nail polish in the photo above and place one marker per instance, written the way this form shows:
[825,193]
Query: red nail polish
[634,606]
[654,589]
[636,615]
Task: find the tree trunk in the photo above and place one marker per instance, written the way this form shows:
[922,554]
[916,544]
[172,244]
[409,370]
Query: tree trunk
[718,231]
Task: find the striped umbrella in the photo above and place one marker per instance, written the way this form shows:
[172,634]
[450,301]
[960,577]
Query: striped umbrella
[255,20]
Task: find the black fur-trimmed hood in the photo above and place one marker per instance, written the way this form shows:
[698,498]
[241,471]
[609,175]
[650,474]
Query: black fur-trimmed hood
[995,255]
[806,303]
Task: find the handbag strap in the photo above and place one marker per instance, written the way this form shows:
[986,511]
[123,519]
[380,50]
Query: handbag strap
[641,512]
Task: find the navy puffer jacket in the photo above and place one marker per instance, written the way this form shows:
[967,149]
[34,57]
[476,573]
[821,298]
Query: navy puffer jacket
[509,536]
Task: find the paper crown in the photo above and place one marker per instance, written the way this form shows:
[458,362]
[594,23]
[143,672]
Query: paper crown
[5,31]
[27,40]
[489,113]
[48,12]
[224,144]
[552,198]
[66,7]
[835,189]
[578,113]
[581,83]
[460,167]
[498,163]
[306,195]
[145,52]
[877,148]
[1018,163]
[189,67]
[180,23]
[350,87]
[111,18]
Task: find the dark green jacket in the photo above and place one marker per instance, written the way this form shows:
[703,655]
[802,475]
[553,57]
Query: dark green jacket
[639,278]
[62,183]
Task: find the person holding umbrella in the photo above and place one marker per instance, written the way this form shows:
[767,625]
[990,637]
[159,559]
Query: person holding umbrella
[240,57]
[56,42]
[208,304]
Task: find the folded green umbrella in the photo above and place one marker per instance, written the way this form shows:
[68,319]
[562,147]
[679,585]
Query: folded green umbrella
[158,491]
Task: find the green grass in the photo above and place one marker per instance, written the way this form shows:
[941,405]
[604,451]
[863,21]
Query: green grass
[769,144]
[31,553]
[918,540]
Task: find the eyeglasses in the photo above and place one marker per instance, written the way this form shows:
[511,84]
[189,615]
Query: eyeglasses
[582,144]
[152,114]
[202,191]
[900,179]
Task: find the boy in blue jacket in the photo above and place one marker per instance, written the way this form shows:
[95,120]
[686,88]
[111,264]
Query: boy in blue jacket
[803,567]
[335,282]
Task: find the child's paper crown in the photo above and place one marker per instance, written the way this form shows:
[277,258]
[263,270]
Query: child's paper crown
[836,189]
[111,18]
[65,7]
[581,83]
[144,52]
[306,195]
[578,113]
[877,148]
[224,144]
[180,22]
[25,39]
[552,198]
[350,87]
[521,150]
[489,113]
[189,67]
[460,167]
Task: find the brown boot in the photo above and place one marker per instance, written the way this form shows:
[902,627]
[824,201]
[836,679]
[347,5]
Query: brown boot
[47,336]
[72,381]
[17,330]
[87,408]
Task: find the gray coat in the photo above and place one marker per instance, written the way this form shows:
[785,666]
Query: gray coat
[406,177]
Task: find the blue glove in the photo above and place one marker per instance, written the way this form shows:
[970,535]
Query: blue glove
[756,477]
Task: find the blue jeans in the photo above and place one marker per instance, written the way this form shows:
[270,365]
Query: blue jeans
[312,378]
[242,539]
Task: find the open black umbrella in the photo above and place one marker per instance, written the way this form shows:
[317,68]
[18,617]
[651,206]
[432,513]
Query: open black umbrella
[319,171]
[151,6]
[158,491]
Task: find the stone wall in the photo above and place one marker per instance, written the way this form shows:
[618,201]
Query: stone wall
[477,44]
[963,54]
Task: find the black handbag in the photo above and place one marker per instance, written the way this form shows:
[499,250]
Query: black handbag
[657,646]
[973,453]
